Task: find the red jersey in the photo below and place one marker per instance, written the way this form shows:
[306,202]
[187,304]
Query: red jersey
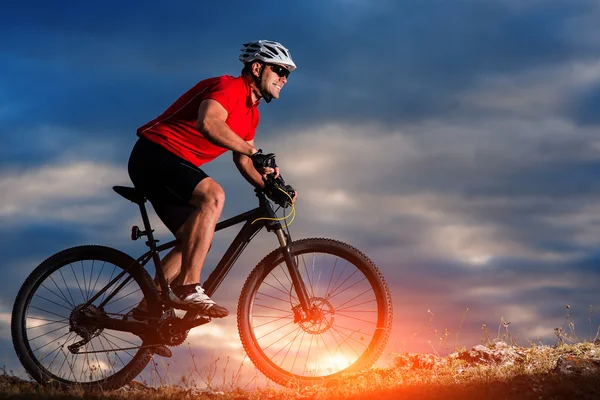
[175,129]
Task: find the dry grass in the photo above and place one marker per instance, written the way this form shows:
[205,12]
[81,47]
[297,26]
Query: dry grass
[497,369]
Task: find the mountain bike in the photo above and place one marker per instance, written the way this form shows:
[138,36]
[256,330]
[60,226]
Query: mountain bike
[311,310]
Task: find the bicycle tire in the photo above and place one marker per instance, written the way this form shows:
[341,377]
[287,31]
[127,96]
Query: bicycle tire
[254,299]
[35,281]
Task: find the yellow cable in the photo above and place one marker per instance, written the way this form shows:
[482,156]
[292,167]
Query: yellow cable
[293,211]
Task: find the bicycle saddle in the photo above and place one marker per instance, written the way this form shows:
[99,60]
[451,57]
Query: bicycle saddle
[130,193]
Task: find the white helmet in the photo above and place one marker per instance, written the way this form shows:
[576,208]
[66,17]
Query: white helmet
[268,52]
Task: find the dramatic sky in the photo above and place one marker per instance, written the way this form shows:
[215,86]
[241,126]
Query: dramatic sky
[456,143]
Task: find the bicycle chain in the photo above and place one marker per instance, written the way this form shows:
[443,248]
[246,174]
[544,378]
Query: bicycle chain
[121,349]
[147,346]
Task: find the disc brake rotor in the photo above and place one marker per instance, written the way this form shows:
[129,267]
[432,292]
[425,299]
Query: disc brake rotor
[320,319]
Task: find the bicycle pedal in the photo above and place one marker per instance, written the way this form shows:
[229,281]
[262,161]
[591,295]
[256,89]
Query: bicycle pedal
[163,351]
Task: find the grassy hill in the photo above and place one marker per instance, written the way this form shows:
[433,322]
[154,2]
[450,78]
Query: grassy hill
[493,371]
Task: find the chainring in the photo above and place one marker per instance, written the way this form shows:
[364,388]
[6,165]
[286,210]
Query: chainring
[166,332]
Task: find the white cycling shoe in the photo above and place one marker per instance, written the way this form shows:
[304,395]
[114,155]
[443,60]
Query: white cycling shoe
[193,297]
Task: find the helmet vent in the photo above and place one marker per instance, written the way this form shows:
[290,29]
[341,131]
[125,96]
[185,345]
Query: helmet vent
[271,49]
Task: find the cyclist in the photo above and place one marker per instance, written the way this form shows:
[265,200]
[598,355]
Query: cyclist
[215,115]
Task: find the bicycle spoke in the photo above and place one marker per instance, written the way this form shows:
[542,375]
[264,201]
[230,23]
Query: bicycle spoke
[271,308]
[47,333]
[270,322]
[60,297]
[89,288]
[359,319]
[124,296]
[273,297]
[49,323]
[344,341]
[109,279]
[280,339]
[85,296]
[348,337]
[350,287]
[335,284]
[58,348]
[297,352]
[331,278]
[39,348]
[67,287]
[99,274]
[49,312]
[320,272]
[325,344]
[110,363]
[345,280]
[53,302]
[273,331]
[291,343]
[66,361]
[126,341]
[341,308]
[308,352]
[77,280]
[289,293]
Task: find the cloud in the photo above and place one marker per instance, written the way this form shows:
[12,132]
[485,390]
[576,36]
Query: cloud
[69,192]
[585,106]
[455,144]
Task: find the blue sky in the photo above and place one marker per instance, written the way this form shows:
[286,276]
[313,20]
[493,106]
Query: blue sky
[455,142]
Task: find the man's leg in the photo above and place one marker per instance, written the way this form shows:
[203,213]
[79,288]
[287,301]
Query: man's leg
[183,264]
[196,235]
[198,231]
[171,267]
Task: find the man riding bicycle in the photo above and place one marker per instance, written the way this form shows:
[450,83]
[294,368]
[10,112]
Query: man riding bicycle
[216,115]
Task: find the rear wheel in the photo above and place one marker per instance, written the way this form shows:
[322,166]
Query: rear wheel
[348,325]
[55,344]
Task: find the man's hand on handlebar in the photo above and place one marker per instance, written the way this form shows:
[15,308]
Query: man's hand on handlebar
[275,187]
[265,164]
[279,192]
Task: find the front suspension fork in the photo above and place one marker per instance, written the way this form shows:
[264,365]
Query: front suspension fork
[297,281]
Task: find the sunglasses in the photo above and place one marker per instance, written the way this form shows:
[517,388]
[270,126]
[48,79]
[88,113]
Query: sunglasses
[280,71]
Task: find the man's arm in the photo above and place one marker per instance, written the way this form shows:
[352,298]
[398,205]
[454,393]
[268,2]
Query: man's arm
[211,123]
[246,168]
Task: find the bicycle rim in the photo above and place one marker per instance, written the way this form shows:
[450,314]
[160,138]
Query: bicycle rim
[45,311]
[348,332]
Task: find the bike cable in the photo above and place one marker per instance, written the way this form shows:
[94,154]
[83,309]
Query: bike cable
[292,213]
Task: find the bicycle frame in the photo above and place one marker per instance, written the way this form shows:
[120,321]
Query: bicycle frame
[251,227]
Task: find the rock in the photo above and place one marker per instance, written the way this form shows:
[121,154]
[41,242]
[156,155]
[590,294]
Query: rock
[418,361]
[571,365]
[499,353]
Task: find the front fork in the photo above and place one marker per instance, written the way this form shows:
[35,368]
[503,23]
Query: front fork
[297,281]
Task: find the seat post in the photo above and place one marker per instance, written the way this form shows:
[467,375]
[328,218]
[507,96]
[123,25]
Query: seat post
[162,281]
[151,241]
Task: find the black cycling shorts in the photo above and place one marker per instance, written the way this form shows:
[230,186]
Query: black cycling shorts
[167,180]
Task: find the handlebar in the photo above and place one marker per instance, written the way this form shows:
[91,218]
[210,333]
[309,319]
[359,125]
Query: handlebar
[277,190]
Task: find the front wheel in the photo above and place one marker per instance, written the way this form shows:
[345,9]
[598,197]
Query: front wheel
[345,332]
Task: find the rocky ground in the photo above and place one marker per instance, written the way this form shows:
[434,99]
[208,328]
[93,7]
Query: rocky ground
[495,371]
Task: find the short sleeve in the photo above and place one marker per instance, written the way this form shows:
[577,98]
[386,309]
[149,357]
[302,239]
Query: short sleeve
[225,92]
